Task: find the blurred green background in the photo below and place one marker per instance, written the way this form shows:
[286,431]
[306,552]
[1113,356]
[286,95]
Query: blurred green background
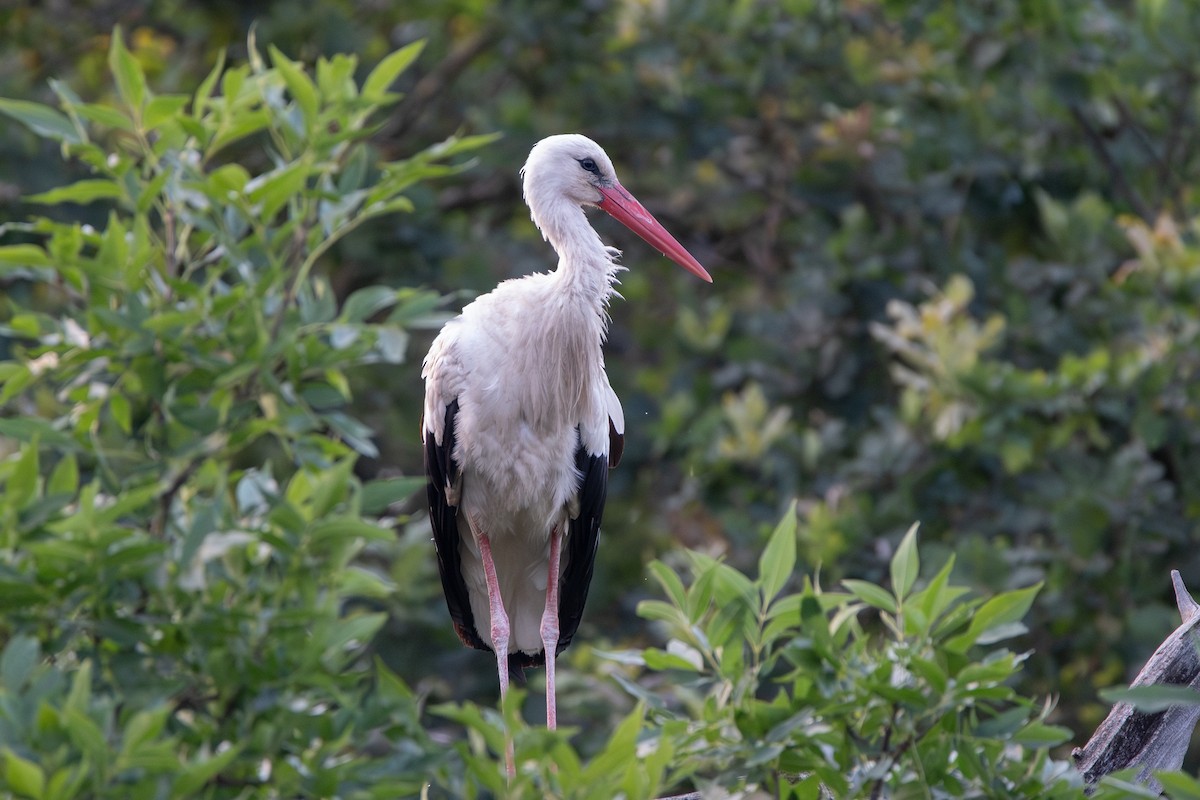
[955,260]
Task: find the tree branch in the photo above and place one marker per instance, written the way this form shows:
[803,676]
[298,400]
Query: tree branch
[1120,182]
[1158,740]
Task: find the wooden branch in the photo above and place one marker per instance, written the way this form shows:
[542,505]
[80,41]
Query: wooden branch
[1120,183]
[1159,740]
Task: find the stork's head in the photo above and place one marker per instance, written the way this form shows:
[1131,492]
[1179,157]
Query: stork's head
[572,168]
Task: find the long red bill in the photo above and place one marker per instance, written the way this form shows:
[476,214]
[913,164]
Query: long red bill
[625,208]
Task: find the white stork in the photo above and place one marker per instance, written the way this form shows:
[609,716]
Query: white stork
[521,425]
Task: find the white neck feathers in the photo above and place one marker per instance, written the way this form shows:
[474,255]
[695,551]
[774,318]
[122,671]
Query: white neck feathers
[586,267]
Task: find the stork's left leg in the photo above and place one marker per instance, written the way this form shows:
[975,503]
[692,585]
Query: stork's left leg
[550,628]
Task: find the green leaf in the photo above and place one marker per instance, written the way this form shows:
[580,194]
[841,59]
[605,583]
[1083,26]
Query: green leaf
[131,81]
[930,671]
[25,255]
[195,775]
[778,560]
[205,90]
[163,108]
[936,597]
[353,433]
[471,717]
[327,530]
[731,587]
[872,595]
[681,657]
[145,194]
[24,777]
[360,582]
[460,144]
[355,632]
[1001,610]
[1153,698]
[366,302]
[275,188]
[620,750]
[85,191]
[1039,734]
[1124,786]
[386,71]
[144,726]
[330,488]
[379,494]
[400,205]
[105,115]
[335,78]
[660,611]
[159,757]
[21,488]
[67,782]
[64,479]
[1179,785]
[79,698]
[244,124]
[670,582]
[118,404]
[42,120]
[20,656]
[998,633]
[390,686]
[130,499]
[24,429]
[906,563]
[299,85]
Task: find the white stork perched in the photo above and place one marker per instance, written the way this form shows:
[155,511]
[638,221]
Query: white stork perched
[521,426]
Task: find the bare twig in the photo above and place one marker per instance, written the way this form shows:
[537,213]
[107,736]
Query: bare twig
[1178,141]
[1120,182]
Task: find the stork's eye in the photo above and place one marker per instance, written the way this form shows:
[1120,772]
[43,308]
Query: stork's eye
[590,165]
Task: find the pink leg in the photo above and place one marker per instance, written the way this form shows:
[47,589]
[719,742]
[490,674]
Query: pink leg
[500,630]
[550,629]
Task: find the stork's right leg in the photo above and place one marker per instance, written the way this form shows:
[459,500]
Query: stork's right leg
[499,629]
[550,629]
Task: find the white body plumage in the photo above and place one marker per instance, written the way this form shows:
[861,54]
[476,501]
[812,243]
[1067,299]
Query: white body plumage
[526,365]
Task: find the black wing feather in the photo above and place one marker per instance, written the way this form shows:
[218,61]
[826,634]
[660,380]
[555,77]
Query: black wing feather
[442,472]
[582,543]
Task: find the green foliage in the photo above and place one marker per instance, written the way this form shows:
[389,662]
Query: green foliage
[955,258]
[810,693]
[179,514]
[865,692]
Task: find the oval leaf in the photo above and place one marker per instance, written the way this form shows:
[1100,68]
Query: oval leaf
[299,85]
[1154,698]
[872,595]
[131,81]
[385,73]
[24,777]
[84,191]
[25,255]
[779,558]
[906,563]
[42,120]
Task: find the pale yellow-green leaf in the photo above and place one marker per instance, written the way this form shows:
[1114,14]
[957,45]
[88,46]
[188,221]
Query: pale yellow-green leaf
[127,72]
[386,71]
